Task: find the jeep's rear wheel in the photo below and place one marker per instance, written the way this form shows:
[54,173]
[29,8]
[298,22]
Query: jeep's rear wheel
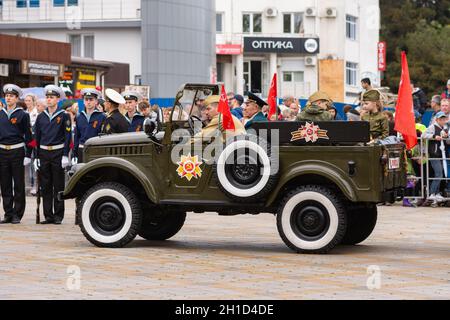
[361,223]
[311,219]
[162,226]
[110,215]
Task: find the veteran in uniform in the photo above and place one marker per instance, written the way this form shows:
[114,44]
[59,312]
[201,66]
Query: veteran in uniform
[379,124]
[115,122]
[133,116]
[53,136]
[317,108]
[15,136]
[253,110]
[215,125]
[88,124]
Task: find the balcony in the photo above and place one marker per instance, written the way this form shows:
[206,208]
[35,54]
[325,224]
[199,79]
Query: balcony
[86,11]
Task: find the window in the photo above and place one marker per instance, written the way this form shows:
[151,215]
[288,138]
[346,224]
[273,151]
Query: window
[82,45]
[75,41]
[89,47]
[293,76]
[351,73]
[34,4]
[293,23]
[351,27]
[219,22]
[21,3]
[72,3]
[252,23]
[59,3]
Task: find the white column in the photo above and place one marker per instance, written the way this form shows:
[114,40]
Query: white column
[240,74]
[273,65]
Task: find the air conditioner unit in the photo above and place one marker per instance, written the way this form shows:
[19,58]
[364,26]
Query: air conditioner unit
[271,12]
[310,12]
[4,70]
[310,61]
[330,13]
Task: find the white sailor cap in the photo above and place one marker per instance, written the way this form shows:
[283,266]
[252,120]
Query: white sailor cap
[12,88]
[113,96]
[131,95]
[52,90]
[91,93]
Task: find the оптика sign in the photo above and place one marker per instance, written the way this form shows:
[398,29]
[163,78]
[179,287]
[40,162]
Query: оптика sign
[282,45]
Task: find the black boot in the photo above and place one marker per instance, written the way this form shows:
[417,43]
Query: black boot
[15,220]
[6,220]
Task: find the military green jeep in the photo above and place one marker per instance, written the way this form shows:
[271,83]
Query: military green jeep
[323,181]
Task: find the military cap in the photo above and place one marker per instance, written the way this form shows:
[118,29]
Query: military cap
[372,95]
[211,100]
[253,98]
[91,93]
[319,95]
[131,95]
[52,90]
[113,96]
[13,89]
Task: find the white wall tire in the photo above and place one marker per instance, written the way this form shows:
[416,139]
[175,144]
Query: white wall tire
[253,182]
[110,215]
[311,219]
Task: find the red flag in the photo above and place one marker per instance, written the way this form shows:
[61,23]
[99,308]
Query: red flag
[404,115]
[272,100]
[224,110]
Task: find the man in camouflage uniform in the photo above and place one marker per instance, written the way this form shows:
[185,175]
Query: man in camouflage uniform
[379,124]
[316,108]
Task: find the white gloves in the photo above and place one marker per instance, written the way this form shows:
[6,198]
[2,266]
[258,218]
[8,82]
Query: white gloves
[74,161]
[65,162]
[26,161]
[37,165]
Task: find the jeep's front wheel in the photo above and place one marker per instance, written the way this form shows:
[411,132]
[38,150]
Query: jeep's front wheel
[162,226]
[311,219]
[110,215]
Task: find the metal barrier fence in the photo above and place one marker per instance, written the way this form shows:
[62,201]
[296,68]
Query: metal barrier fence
[425,178]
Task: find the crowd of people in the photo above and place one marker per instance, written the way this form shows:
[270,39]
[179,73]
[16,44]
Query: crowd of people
[48,135]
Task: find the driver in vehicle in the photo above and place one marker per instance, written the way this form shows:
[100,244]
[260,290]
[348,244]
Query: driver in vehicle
[212,129]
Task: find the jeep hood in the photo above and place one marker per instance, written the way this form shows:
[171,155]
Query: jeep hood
[122,138]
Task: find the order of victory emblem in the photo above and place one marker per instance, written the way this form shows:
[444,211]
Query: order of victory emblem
[189,167]
[310,133]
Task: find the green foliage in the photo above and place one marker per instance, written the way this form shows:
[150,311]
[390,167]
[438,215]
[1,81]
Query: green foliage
[422,29]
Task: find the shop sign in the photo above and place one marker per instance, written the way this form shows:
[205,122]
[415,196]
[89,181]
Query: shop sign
[228,49]
[381,56]
[282,45]
[42,69]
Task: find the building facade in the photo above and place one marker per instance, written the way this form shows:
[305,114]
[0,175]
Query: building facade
[311,44]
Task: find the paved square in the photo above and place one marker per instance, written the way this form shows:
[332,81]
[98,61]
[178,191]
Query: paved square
[242,257]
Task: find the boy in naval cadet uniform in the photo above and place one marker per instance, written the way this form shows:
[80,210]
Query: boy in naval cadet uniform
[134,118]
[115,122]
[53,135]
[88,124]
[15,136]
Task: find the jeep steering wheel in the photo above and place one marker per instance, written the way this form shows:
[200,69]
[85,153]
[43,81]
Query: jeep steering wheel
[191,122]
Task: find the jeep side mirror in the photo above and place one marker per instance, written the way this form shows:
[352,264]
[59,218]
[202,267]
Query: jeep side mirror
[150,127]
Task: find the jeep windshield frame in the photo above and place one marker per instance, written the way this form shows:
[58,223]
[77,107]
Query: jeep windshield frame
[188,95]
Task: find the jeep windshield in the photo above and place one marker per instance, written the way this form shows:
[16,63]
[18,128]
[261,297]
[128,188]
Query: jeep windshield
[190,102]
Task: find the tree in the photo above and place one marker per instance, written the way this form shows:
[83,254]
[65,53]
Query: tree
[421,28]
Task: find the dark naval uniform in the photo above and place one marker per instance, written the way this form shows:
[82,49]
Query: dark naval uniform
[87,127]
[136,124]
[53,137]
[15,136]
[115,123]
